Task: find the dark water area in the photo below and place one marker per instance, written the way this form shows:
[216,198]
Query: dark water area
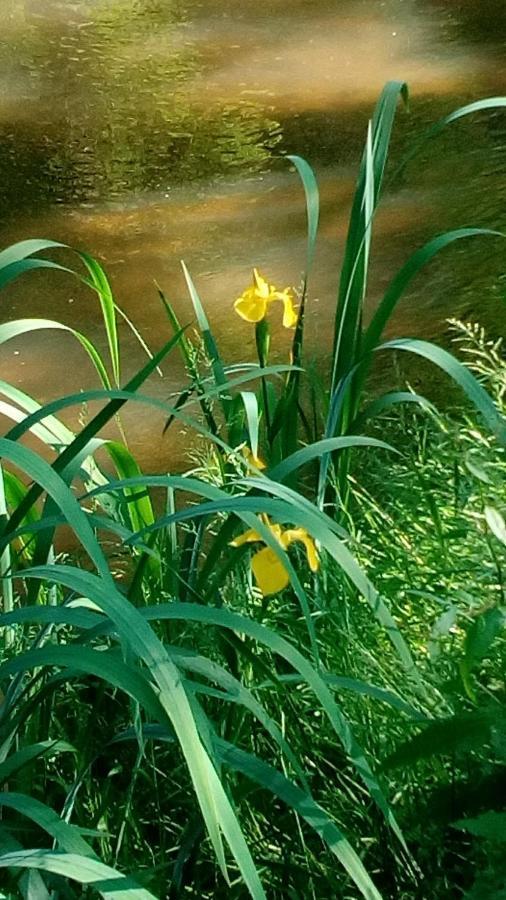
[147,131]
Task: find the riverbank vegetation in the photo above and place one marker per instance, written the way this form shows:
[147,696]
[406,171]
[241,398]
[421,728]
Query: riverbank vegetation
[279,673]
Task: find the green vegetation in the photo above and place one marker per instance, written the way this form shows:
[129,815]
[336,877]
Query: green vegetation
[286,678]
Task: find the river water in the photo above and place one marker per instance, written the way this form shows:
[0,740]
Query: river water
[150,131]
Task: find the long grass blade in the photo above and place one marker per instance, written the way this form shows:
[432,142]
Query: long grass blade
[353,272]
[477,394]
[99,282]
[411,268]
[17,328]
[266,636]
[138,635]
[302,803]
[110,883]
[88,432]
[210,344]
[318,448]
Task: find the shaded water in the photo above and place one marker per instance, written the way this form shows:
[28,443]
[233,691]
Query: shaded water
[150,130]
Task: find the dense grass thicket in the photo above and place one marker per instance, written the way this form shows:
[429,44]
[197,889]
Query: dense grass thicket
[286,679]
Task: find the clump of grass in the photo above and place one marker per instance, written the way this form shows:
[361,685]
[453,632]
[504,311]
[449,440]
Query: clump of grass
[217,722]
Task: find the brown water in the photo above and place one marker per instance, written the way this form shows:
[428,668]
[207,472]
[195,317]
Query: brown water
[151,131]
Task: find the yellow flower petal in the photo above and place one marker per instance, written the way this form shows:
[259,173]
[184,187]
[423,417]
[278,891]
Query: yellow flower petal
[301,535]
[250,306]
[276,530]
[289,310]
[247,538]
[254,460]
[270,574]
[261,286]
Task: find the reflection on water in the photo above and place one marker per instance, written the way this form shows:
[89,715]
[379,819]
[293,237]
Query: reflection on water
[338,58]
[96,100]
[153,130]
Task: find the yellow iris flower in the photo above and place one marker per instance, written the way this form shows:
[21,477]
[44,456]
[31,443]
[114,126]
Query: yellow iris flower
[252,305]
[253,460]
[270,573]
